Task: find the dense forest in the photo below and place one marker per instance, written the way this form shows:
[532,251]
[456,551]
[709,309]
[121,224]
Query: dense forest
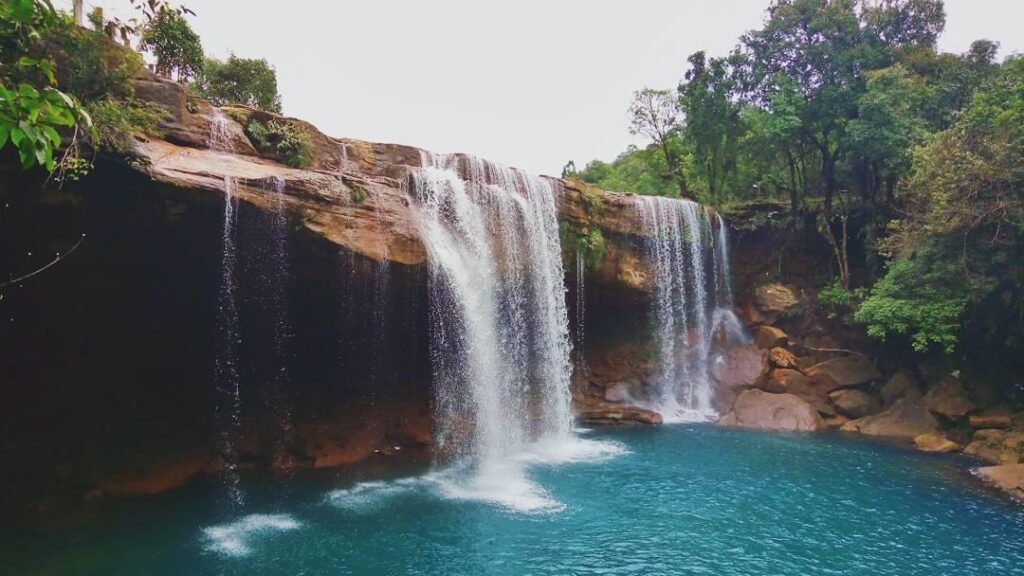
[906,160]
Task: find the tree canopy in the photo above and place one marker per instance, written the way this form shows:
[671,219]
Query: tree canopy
[248,81]
[847,112]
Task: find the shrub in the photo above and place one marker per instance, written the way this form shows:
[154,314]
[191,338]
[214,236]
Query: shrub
[282,140]
[357,194]
[117,121]
[840,302]
[589,245]
[92,66]
[917,298]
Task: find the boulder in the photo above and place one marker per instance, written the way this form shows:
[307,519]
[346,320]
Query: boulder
[898,386]
[819,403]
[854,403]
[775,299]
[750,315]
[1007,477]
[782,358]
[997,446]
[768,337]
[906,418]
[765,411]
[842,372]
[619,416]
[740,366]
[996,419]
[948,398]
[782,380]
[935,443]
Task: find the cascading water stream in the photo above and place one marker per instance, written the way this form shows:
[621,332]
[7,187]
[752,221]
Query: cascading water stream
[580,312]
[692,302]
[499,325]
[277,270]
[228,408]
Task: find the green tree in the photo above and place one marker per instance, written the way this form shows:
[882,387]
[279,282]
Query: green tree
[655,115]
[713,125]
[816,47]
[178,50]
[962,239]
[248,81]
[903,23]
[887,126]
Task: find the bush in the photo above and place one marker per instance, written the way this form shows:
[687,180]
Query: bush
[282,140]
[117,121]
[247,81]
[839,302]
[590,245]
[92,66]
[917,298]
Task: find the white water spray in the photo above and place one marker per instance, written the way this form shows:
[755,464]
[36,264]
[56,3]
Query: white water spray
[499,325]
[692,301]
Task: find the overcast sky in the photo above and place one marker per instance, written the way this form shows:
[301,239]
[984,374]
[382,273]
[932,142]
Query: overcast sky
[530,83]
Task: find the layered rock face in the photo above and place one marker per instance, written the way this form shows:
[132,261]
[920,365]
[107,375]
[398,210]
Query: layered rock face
[354,193]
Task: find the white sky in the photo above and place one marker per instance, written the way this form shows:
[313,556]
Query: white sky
[529,83]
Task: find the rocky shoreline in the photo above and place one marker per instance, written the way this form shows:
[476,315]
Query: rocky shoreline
[780,382]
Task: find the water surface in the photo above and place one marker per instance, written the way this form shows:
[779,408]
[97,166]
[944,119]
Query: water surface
[681,500]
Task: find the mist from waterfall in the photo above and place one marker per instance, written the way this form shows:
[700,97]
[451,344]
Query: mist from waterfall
[692,303]
[499,326]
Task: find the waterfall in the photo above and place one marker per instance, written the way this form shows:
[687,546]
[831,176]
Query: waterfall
[220,139]
[276,275]
[228,407]
[692,302]
[580,312]
[227,380]
[499,324]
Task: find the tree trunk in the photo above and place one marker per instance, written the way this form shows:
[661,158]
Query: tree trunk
[828,176]
[79,10]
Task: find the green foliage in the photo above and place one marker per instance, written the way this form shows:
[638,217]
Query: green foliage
[635,170]
[714,126]
[30,120]
[247,81]
[90,65]
[117,121]
[840,302]
[919,300]
[176,46]
[356,193]
[588,244]
[592,247]
[655,114]
[283,140]
[32,110]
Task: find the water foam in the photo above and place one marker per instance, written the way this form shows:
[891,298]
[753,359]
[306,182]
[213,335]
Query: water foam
[236,538]
[505,483]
